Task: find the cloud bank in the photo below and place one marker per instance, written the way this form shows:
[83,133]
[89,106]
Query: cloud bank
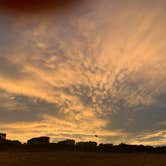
[96,70]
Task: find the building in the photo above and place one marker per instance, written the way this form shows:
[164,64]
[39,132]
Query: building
[39,141]
[86,145]
[2,136]
[68,142]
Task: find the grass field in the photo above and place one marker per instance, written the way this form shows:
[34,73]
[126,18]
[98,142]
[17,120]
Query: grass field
[80,159]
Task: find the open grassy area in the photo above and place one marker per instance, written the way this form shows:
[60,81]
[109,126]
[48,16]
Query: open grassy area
[80,159]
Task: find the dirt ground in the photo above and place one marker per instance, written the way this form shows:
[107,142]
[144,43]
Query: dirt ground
[80,159]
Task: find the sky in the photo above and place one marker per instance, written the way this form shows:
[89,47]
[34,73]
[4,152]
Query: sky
[84,70]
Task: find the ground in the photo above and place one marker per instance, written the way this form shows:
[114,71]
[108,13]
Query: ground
[80,159]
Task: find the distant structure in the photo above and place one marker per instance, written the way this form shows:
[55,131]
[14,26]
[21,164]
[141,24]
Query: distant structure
[38,141]
[68,142]
[3,136]
[86,145]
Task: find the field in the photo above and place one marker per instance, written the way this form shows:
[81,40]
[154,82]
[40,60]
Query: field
[80,159]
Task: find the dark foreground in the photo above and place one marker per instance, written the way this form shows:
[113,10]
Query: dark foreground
[80,159]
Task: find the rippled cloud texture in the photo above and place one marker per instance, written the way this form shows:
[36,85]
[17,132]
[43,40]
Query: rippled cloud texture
[94,68]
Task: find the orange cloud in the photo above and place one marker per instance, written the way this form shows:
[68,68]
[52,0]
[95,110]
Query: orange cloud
[87,63]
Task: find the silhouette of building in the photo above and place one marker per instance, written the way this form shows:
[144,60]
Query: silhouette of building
[38,141]
[68,142]
[3,136]
[86,145]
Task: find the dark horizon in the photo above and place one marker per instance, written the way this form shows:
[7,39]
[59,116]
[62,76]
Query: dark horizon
[47,140]
[43,144]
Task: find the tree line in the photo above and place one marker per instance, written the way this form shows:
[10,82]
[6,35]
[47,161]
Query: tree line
[44,144]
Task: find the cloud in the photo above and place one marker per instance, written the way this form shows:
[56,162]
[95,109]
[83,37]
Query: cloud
[33,6]
[156,138]
[57,128]
[86,72]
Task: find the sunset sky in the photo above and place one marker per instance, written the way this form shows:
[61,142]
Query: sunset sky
[82,68]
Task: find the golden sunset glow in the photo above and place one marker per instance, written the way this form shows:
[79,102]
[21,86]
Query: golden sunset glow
[95,68]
